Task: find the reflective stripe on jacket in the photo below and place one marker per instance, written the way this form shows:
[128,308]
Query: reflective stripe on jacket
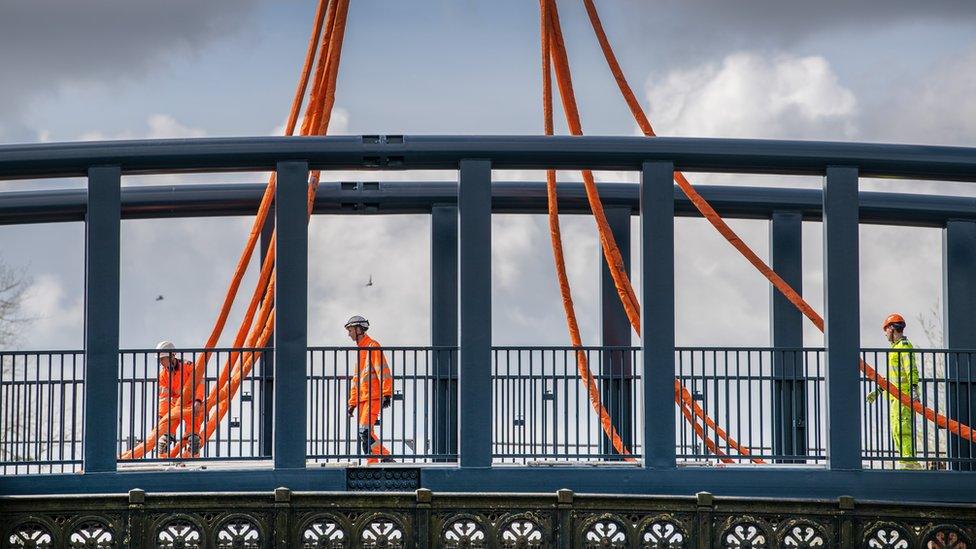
[171,382]
[901,365]
[373,379]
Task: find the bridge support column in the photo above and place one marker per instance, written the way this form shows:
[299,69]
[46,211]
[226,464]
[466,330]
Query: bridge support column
[102,249]
[267,377]
[657,312]
[616,367]
[842,319]
[786,336]
[444,324]
[291,316]
[959,302]
[474,243]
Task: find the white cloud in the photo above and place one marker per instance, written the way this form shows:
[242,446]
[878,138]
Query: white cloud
[57,318]
[165,126]
[158,126]
[936,107]
[345,253]
[749,95]
[338,124]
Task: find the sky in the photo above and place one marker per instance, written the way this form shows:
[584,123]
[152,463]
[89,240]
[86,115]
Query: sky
[877,70]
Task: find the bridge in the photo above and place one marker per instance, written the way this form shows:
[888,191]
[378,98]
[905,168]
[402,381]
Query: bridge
[499,446]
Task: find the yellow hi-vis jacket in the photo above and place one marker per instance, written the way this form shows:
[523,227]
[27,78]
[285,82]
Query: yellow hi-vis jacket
[901,367]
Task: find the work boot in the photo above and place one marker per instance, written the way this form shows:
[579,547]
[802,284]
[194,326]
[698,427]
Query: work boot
[909,465]
[195,444]
[365,440]
[387,460]
[163,443]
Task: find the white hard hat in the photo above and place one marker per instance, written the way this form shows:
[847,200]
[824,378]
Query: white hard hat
[358,321]
[165,346]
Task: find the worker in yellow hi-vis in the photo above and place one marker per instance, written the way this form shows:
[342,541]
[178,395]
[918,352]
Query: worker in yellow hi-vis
[903,373]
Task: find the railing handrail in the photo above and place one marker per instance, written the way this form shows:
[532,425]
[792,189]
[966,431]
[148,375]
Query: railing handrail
[43,352]
[505,152]
[385,348]
[917,350]
[758,348]
[565,348]
[524,197]
[178,350]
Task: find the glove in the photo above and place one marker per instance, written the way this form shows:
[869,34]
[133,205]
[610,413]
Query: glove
[387,401]
[872,396]
[351,411]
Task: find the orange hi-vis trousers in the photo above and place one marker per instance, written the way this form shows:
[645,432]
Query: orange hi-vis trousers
[369,412]
[191,422]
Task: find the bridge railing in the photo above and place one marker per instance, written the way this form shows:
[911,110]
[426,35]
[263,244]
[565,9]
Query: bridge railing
[241,433]
[769,402]
[895,435]
[542,410]
[420,423]
[461,308]
[41,411]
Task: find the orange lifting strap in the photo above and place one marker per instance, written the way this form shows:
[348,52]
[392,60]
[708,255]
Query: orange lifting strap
[593,391]
[316,121]
[712,216]
[554,49]
[254,332]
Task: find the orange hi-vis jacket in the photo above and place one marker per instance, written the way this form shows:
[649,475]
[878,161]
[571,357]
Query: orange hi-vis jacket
[373,379]
[171,386]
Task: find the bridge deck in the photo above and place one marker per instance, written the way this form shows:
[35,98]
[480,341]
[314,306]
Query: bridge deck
[799,411]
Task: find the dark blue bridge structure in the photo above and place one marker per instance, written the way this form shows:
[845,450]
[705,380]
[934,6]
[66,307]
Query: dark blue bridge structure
[463,477]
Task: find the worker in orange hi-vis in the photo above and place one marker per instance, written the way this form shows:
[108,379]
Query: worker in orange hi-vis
[173,375]
[370,390]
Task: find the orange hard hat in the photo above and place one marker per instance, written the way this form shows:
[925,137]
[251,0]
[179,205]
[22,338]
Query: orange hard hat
[893,318]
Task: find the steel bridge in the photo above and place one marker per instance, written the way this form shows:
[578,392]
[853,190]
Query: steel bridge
[800,409]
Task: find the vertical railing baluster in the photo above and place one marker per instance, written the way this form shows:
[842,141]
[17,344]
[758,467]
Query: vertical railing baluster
[444,321]
[786,327]
[291,313]
[842,318]
[474,242]
[657,292]
[102,249]
[615,331]
[959,302]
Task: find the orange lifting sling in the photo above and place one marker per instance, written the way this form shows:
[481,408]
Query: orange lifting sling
[712,216]
[552,40]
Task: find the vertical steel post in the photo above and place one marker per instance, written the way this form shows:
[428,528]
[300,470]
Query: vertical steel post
[267,382]
[959,303]
[444,324]
[616,369]
[474,243]
[842,318]
[786,334]
[657,312]
[102,259]
[291,315]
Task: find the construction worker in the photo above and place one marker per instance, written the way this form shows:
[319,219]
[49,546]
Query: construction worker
[370,390]
[903,373]
[174,374]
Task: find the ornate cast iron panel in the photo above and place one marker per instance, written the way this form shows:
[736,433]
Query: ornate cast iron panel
[476,521]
